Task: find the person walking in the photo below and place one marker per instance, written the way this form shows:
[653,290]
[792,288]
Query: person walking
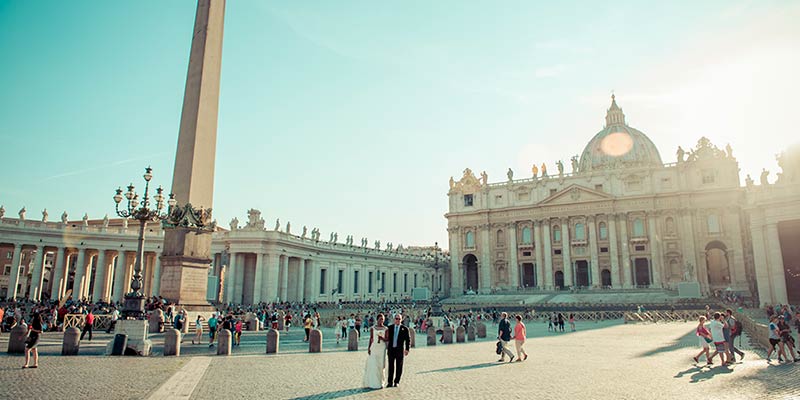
[114,319]
[775,339]
[212,329]
[704,336]
[31,344]
[398,342]
[730,333]
[572,321]
[520,333]
[88,324]
[198,329]
[504,336]
[720,345]
[307,325]
[786,339]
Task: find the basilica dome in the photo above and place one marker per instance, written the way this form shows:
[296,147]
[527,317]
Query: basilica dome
[618,145]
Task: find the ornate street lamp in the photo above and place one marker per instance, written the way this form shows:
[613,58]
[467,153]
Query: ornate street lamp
[436,305]
[133,307]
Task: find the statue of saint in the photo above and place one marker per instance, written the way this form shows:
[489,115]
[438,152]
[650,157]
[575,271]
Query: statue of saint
[560,166]
[574,161]
[544,170]
[86,219]
[22,212]
[2,212]
[748,181]
[277,224]
[335,237]
[377,244]
[105,221]
[729,150]
[288,226]
[764,176]
[510,174]
[688,271]
[304,232]
[680,154]
[452,183]
[535,171]
[44,215]
[389,246]
[484,178]
[234,224]
[64,218]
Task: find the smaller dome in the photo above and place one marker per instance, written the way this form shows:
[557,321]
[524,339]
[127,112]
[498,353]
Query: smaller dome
[618,145]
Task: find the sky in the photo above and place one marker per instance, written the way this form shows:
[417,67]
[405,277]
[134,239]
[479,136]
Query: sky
[351,116]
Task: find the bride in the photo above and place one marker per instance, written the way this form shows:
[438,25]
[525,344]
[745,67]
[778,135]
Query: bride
[376,359]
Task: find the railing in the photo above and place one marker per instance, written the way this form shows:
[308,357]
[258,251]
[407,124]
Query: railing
[101,321]
[663,316]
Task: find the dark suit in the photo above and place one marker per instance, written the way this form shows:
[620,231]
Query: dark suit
[396,352]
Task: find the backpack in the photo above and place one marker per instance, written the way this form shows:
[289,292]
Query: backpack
[737,328]
[499,347]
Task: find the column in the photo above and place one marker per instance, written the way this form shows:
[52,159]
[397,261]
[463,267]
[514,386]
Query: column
[284,292]
[238,278]
[566,246]
[485,281]
[761,264]
[736,263]
[111,261]
[313,283]
[514,265]
[13,280]
[595,268]
[548,255]
[100,277]
[301,279]
[456,281]
[230,277]
[626,253]
[537,253]
[120,273]
[258,287]
[156,288]
[613,251]
[776,266]
[80,274]
[59,265]
[655,250]
[37,274]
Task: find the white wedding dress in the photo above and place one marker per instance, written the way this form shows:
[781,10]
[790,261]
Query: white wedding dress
[376,360]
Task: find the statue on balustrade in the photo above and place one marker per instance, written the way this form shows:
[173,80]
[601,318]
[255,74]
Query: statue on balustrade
[764,177]
[288,226]
[729,150]
[44,215]
[389,246]
[277,224]
[335,237]
[484,178]
[452,183]
[680,154]
[535,171]
[544,170]
[2,212]
[510,174]
[86,219]
[105,221]
[377,245]
[234,224]
[64,218]
[748,181]
[22,213]
[304,232]
[574,161]
[560,166]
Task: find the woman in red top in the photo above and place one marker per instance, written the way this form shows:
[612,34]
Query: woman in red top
[704,336]
[519,339]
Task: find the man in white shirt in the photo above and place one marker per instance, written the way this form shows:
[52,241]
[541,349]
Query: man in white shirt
[716,326]
[114,319]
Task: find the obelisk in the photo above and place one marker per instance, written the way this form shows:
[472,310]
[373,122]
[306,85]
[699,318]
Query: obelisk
[187,242]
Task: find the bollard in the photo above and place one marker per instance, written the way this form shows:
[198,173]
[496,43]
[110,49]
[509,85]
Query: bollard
[155,323]
[120,343]
[280,323]
[431,336]
[16,340]
[412,338]
[252,325]
[172,342]
[471,333]
[273,341]
[481,330]
[352,340]
[460,335]
[315,341]
[224,345]
[447,335]
[71,342]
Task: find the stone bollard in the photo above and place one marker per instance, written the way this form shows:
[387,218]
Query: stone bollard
[154,324]
[16,340]
[352,340]
[447,335]
[412,338]
[71,342]
[471,333]
[273,341]
[315,341]
[252,325]
[280,323]
[224,345]
[481,330]
[460,338]
[431,336]
[172,342]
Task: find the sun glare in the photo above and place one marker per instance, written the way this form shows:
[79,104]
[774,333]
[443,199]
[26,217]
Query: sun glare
[616,144]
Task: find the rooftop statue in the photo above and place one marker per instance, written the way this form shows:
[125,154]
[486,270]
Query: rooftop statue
[748,181]
[254,219]
[2,211]
[64,218]
[544,170]
[105,221]
[560,166]
[764,177]
[304,232]
[288,226]
[44,215]
[680,154]
[574,161]
[277,224]
[510,174]
[729,150]
[234,224]
[484,178]
[22,212]
[535,171]
[335,237]
[86,219]
[452,183]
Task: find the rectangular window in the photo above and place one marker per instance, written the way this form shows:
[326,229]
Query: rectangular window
[526,253]
[553,191]
[340,282]
[355,282]
[708,176]
[405,282]
[524,196]
[557,252]
[369,282]
[394,282]
[639,247]
[383,282]
[498,199]
[322,280]
[598,188]
[7,270]
[604,249]
[467,200]
[415,280]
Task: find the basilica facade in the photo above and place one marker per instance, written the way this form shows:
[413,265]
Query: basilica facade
[623,218]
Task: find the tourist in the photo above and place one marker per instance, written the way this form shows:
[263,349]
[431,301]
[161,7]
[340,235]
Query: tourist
[730,333]
[87,325]
[786,339]
[504,336]
[398,342]
[114,319]
[376,355]
[339,328]
[720,344]
[775,339]
[704,336]
[561,322]
[287,321]
[358,324]
[307,325]
[198,329]
[572,321]
[34,331]
[519,339]
[351,324]
[212,329]
[237,328]
[551,323]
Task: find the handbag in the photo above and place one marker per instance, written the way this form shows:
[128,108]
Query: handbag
[499,347]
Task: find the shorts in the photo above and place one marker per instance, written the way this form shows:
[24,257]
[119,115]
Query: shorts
[703,342]
[774,342]
[720,346]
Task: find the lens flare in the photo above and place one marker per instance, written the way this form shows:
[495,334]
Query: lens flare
[616,144]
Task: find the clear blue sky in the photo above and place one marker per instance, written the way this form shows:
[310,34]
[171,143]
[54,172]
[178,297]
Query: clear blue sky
[352,116]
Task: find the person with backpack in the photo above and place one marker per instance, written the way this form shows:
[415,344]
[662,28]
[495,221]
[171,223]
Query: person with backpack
[734,329]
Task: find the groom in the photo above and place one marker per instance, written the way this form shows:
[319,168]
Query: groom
[397,343]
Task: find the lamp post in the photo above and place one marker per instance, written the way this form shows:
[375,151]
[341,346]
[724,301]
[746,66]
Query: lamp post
[436,306]
[133,307]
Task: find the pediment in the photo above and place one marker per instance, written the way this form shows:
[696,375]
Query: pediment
[576,194]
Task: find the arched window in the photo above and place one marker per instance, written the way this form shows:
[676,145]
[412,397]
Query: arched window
[713,224]
[500,238]
[638,227]
[580,231]
[556,234]
[526,235]
[603,231]
[469,240]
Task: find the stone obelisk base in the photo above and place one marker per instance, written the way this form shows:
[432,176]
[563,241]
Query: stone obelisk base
[184,282]
[138,343]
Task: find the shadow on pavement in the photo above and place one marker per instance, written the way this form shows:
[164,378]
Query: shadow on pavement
[463,367]
[336,394]
[706,374]
[679,343]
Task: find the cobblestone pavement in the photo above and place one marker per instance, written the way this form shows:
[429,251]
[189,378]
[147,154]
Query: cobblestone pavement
[605,360]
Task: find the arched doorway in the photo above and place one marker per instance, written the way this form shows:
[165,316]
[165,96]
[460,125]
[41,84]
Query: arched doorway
[582,273]
[559,280]
[717,264]
[470,272]
[528,275]
[605,278]
[641,270]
